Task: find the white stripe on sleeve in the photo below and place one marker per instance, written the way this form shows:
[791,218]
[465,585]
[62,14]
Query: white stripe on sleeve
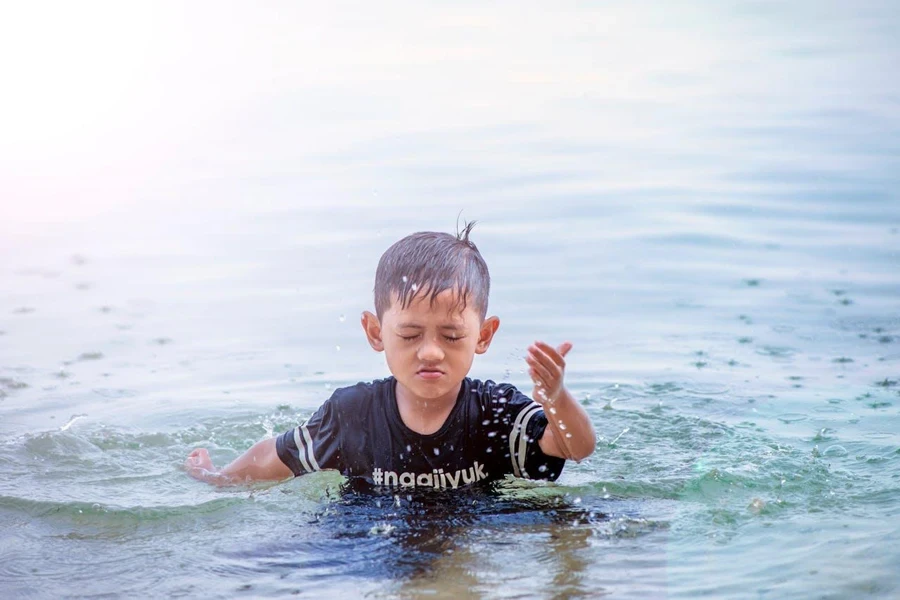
[516,433]
[523,440]
[301,450]
[309,447]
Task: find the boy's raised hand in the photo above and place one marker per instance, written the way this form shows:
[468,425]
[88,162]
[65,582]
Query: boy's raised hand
[547,368]
[569,433]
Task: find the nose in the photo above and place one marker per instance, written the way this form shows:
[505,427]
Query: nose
[430,351]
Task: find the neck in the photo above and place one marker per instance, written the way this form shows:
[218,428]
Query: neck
[425,415]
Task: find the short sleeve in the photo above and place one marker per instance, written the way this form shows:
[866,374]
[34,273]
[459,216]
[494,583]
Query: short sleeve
[526,421]
[314,445]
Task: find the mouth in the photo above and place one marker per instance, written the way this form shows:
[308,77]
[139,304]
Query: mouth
[429,373]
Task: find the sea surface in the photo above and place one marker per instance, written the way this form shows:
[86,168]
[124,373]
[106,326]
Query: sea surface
[703,197]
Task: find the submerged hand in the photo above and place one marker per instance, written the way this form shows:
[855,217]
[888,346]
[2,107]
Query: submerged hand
[199,465]
[547,367]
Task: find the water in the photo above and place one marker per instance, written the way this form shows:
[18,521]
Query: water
[702,197]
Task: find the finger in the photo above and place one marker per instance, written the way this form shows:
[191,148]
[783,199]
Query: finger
[551,352]
[540,388]
[545,359]
[564,348]
[543,373]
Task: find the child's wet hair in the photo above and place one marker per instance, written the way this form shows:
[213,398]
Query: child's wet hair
[428,263]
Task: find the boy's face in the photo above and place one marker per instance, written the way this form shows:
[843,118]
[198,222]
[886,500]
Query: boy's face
[430,347]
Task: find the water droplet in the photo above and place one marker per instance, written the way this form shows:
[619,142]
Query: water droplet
[437,451]
[616,439]
[542,468]
[342,318]
[577,500]
[552,411]
[405,278]
[562,425]
[414,287]
[408,448]
[491,434]
[568,435]
[486,422]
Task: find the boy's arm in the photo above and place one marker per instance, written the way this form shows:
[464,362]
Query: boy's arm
[259,463]
[569,433]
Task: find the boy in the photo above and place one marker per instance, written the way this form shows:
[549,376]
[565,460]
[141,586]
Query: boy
[428,426]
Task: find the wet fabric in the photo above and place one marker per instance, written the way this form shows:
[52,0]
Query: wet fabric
[492,431]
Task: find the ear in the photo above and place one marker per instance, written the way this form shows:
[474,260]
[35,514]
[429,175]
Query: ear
[486,334]
[372,327]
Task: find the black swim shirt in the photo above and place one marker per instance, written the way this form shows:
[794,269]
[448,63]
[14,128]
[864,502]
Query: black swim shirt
[492,431]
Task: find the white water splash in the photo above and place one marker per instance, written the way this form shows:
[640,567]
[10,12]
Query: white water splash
[71,421]
[616,439]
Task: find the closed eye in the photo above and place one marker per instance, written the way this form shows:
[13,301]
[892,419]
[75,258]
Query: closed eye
[415,336]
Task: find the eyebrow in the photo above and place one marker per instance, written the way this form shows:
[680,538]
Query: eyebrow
[417,326]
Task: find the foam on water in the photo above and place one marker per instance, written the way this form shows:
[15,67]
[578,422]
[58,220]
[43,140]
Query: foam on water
[675,480]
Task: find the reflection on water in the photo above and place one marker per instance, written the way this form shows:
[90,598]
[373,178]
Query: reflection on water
[188,230]
[441,545]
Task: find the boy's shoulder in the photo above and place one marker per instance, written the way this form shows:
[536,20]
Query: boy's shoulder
[362,392]
[492,394]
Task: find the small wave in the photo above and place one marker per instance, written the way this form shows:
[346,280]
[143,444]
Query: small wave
[111,513]
[776,352]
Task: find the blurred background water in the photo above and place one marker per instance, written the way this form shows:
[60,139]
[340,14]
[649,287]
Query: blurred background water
[701,196]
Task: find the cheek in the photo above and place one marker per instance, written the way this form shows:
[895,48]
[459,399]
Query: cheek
[397,348]
[463,353]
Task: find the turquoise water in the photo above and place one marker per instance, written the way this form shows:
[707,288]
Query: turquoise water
[702,197]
